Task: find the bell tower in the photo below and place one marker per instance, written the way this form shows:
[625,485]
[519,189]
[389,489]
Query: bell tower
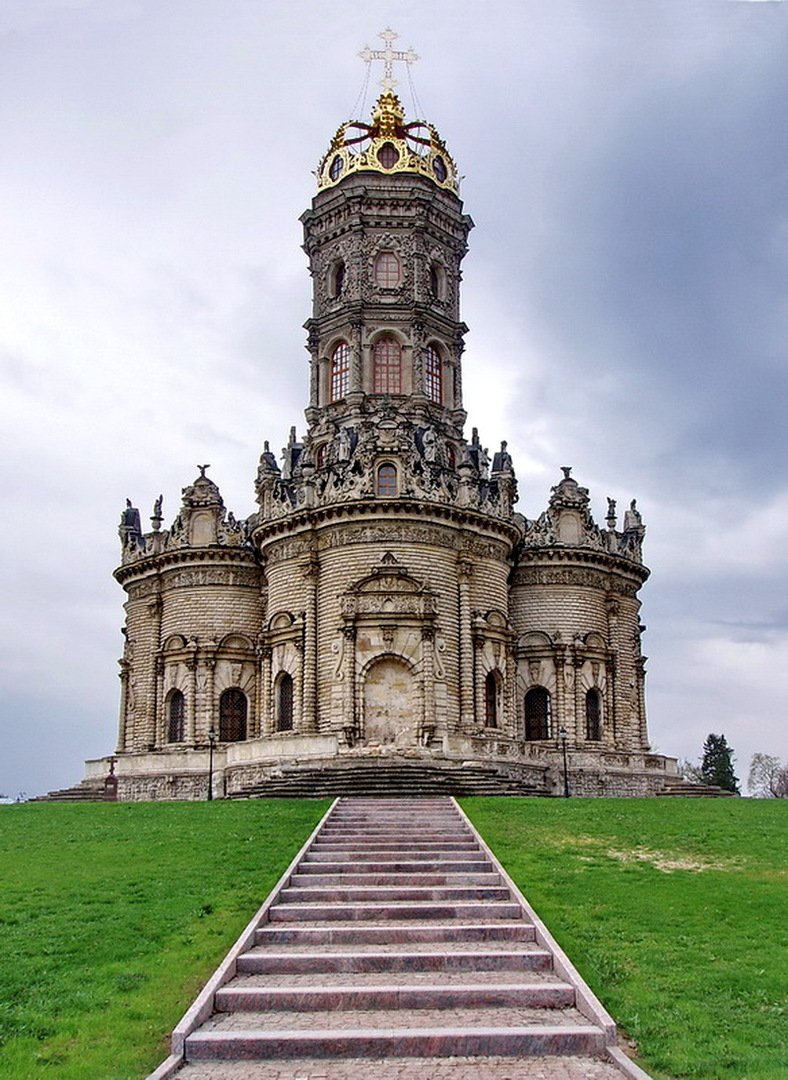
[385,238]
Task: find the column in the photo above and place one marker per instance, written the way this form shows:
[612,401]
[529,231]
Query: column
[428,680]
[309,718]
[466,661]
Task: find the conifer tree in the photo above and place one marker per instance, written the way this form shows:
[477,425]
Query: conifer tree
[717,764]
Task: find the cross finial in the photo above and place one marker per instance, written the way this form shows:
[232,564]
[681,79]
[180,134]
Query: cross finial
[388,56]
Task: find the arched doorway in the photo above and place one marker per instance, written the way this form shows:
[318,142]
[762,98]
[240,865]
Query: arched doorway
[390,704]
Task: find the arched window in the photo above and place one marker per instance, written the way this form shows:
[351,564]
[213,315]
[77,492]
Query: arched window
[337,279]
[437,282]
[537,713]
[433,374]
[491,700]
[340,371]
[284,702]
[387,271]
[176,712]
[232,715]
[386,366]
[593,715]
[386,480]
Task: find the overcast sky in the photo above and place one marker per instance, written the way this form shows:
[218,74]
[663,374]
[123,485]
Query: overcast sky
[626,164]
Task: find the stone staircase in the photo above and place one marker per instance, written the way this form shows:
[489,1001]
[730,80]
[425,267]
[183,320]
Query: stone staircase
[86,791]
[397,778]
[690,789]
[395,947]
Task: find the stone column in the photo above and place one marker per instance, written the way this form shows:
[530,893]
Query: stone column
[158,705]
[123,675]
[559,717]
[349,719]
[208,704]
[428,678]
[266,718]
[465,659]
[309,717]
[152,712]
[510,692]
[356,364]
[417,351]
[313,345]
[191,705]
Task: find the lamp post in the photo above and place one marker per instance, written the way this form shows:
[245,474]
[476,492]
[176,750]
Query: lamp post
[562,734]
[211,745]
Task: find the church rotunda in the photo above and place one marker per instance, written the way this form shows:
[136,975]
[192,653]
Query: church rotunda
[386,608]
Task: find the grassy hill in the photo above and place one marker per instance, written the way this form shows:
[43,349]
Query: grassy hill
[112,916]
[673,910]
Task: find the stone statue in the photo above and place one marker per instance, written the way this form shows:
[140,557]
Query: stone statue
[632,518]
[430,442]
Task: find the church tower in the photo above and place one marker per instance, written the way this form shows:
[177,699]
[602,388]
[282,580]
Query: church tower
[385,604]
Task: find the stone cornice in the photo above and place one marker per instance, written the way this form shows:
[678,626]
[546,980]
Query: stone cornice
[577,556]
[156,564]
[342,513]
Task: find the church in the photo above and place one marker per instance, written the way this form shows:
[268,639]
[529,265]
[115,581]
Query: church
[386,620]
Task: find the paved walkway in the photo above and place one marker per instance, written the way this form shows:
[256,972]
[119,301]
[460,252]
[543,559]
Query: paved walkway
[397,949]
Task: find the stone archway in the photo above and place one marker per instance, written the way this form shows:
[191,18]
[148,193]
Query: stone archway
[390,704]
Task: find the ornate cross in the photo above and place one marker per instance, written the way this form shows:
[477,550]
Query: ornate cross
[388,56]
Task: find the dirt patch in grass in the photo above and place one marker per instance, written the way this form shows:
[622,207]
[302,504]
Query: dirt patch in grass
[660,860]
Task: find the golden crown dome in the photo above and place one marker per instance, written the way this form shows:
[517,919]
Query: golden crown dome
[388,145]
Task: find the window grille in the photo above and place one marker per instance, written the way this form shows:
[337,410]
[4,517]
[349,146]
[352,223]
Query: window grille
[340,371]
[387,480]
[537,713]
[433,375]
[491,700]
[387,272]
[177,712]
[593,716]
[386,366]
[232,716]
[284,705]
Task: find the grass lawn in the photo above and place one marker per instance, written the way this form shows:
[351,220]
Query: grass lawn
[113,916]
[673,910]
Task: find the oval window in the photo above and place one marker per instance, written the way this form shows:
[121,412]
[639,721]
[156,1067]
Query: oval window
[335,168]
[439,168]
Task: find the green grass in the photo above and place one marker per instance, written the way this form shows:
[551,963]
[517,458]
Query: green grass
[673,910]
[113,916]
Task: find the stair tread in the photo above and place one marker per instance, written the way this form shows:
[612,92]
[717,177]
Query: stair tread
[394,1021]
[546,1067]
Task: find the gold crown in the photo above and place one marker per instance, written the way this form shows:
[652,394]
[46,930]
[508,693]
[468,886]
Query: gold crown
[388,145]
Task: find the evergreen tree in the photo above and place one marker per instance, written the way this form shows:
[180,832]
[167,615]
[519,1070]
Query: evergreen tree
[717,764]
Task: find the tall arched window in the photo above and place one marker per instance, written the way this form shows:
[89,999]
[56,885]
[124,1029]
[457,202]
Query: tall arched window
[386,480]
[340,371]
[537,713]
[593,715]
[386,366]
[284,702]
[491,699]
[336,279]
[433,374]
[176,712]
[232,715]
[387,270]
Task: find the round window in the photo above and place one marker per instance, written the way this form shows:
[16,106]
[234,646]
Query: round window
[388,155]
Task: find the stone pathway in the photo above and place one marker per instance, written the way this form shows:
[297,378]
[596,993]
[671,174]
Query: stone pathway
[396,948]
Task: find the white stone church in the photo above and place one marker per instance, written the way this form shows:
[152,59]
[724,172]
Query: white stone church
[386,620]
